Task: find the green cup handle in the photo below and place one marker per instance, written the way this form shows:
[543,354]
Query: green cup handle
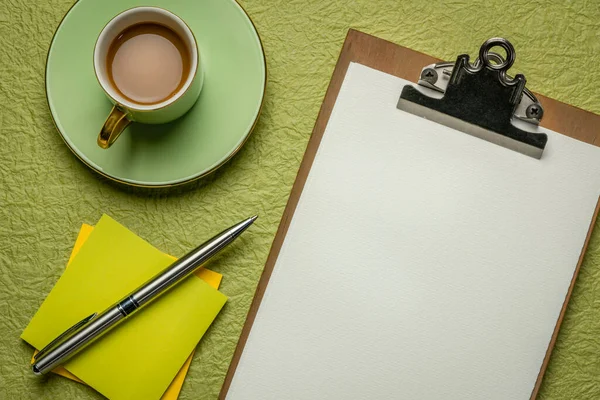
[114,125]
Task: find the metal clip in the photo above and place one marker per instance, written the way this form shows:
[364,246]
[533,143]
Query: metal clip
[480,99]
[436,77]
[50,345]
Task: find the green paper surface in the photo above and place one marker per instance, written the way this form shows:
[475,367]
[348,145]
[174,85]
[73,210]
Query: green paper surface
[46,193]
[141,356]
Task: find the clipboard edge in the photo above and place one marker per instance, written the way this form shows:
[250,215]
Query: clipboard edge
[561,316]
[344,59]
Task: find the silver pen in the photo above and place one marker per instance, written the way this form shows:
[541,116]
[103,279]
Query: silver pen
[91,328]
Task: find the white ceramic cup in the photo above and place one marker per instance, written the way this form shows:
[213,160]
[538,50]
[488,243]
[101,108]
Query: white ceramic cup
[125,111]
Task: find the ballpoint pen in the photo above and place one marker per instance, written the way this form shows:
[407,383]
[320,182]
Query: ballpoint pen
[91,328]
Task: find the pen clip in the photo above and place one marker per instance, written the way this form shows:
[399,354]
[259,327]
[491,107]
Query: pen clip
[62,335]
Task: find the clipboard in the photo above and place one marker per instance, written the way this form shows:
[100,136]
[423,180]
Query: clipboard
[407,64]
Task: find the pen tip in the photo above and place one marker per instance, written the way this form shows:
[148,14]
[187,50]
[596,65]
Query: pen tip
[253,218]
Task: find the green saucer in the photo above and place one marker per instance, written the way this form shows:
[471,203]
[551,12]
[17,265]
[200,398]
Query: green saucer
[170,154]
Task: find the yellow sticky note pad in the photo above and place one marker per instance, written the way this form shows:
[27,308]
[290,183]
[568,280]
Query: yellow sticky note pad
[208,276]
[146,357]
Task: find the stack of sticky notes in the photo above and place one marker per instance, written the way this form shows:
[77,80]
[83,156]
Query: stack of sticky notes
[147,356]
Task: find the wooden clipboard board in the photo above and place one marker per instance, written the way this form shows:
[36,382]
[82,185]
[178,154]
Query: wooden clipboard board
[407,64]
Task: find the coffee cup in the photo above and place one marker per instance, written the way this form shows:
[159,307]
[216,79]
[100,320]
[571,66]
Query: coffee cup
[147,61]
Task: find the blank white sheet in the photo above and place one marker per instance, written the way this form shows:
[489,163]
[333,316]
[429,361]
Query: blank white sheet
[442,261]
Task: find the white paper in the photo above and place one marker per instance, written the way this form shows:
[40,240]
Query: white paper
[421,262]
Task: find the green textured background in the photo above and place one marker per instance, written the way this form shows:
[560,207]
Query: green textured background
[45,193]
